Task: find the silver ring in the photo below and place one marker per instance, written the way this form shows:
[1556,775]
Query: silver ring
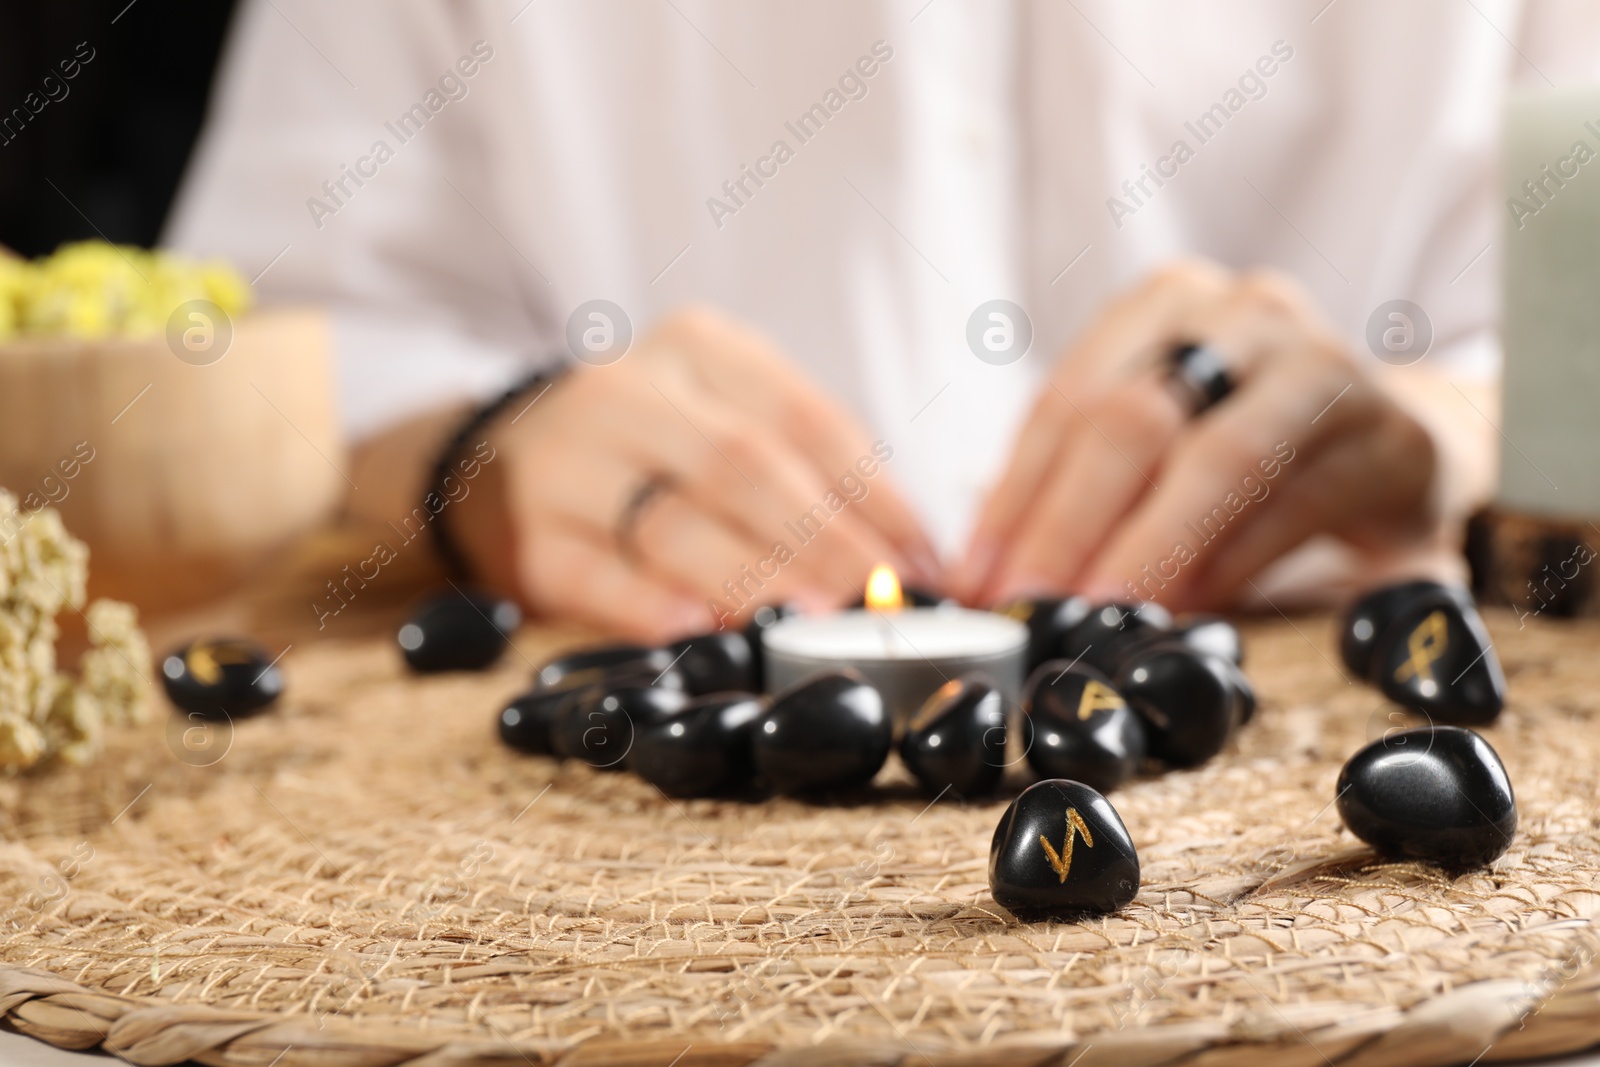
[626,527]
[1199,373]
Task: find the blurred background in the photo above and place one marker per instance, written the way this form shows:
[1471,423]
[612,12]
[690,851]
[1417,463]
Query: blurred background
[104,161]
[116,144]
[168,520]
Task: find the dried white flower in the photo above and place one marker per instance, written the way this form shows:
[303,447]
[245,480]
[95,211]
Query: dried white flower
[116,669]
[45,714]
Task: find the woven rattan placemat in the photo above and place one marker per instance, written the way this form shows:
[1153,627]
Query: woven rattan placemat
[368,878]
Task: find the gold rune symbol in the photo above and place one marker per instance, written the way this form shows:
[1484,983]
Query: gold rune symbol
[205,661]
[1021,610]
[1097,697]
[1061,862]
[1425,645]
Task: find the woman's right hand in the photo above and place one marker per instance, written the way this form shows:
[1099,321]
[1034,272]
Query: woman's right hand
[745,447]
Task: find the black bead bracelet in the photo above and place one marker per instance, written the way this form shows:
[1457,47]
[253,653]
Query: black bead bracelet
[437,496]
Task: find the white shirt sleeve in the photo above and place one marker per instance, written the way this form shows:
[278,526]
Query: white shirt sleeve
[1558,43]
[429,301]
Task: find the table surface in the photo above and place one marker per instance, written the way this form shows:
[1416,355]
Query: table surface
[17,1050]
[279,616]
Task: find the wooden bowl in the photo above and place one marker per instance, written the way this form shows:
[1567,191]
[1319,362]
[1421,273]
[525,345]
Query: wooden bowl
[180,477]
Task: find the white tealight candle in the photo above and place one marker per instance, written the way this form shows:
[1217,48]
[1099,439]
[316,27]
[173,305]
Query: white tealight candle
[905,654]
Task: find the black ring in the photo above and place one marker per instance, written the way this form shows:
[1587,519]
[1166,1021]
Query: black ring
[627,525]
[1201,375]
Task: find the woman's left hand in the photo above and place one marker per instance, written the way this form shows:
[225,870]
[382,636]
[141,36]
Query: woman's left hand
[1118,490]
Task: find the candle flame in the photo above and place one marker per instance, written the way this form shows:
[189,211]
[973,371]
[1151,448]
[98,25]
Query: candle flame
[883,589]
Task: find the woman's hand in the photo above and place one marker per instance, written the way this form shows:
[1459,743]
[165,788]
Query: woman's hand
[1116,491]
[769,492]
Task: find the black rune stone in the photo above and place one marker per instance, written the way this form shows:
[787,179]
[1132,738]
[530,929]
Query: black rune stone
[1060,852]
[1078,727]
[1213,634]
[760,619]
[1436,659]
[1435,793]
[957,739]
[462,630]
[917,597]
[1049,620]
[1246,693]
[703,750]
[221,678]
[590,666]
[830,732]
[717,662]
[525,723]
[601,729]
[1370,617]
[1110,631]
[1188,700]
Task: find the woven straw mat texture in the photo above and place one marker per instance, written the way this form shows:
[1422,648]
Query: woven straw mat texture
[366,877]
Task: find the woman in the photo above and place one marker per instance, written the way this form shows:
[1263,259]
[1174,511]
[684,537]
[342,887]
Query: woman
[1107,297]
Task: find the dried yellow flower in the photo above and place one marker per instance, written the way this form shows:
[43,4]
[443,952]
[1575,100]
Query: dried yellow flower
[93,289]
[12,272]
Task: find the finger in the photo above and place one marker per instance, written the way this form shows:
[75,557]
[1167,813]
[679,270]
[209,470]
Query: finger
[1332,489]
[1137,327]
[1228,462]
[747,370]
[1290,370]
[593,493]
[1037,449]
[1109,465]
[1142,324]
[738,470]
[1260,536]
[567,574]
[678,540]
[1265,317]
[638,429]
[851,463]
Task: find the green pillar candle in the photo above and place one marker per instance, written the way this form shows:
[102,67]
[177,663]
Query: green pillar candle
[1550,455]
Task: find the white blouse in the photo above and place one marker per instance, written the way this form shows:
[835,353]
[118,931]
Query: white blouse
[855,177]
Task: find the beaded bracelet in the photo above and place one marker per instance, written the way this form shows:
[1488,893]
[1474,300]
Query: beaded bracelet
[436,497]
